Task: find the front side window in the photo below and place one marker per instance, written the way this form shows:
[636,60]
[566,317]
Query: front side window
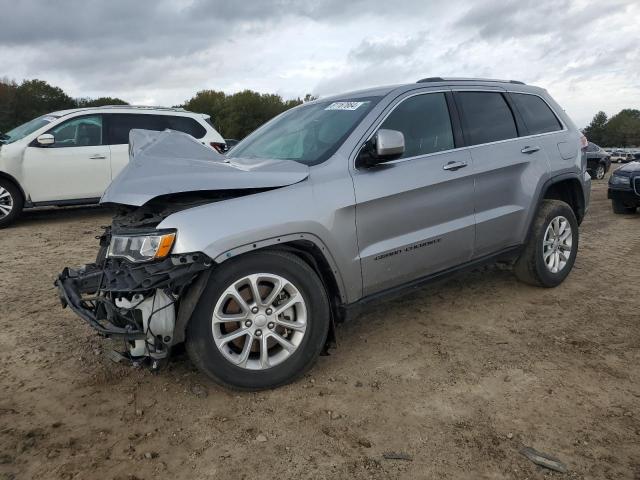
[78,132]
[536,114]
[308,134]
[486,117]
[425,123]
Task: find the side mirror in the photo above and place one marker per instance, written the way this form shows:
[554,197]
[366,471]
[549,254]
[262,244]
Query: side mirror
[384,146]
[46,139]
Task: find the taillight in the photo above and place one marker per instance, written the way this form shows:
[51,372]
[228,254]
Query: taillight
[583,142]
[219,147]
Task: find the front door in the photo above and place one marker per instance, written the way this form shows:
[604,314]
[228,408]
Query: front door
[414,215]
[76,166]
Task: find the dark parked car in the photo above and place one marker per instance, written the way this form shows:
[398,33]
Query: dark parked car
[230,143]
[598,161]
[624,188]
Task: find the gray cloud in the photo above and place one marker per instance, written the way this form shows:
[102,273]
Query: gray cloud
[375,51]
[164,51]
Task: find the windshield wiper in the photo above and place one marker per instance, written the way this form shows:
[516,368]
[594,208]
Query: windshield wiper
[4,136]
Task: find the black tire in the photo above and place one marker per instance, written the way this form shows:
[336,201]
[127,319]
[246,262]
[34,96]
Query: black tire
[530,267]
[200,342]
[621,209]
[601,171]
[16,201]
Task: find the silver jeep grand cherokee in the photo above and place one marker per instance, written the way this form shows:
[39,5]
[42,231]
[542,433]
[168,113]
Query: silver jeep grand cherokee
[251,259]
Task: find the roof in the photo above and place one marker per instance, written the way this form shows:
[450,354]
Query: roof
[427,82]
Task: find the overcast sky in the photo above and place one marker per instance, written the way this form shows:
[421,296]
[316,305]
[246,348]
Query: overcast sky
[586,53]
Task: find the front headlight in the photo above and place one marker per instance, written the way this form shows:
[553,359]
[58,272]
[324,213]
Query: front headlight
[619,180]
[141,248]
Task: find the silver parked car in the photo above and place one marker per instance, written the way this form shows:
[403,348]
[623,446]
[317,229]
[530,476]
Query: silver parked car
[251,259]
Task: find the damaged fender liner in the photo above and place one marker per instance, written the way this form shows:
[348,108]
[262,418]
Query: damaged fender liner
[91,290]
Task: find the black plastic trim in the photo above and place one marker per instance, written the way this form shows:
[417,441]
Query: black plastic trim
[352,310]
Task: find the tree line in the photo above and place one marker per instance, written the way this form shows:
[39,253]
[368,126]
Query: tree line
[621,130]
[22,102]
[234,115]
[238,114]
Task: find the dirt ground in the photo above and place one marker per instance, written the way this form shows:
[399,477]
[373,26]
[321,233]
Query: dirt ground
[459,376]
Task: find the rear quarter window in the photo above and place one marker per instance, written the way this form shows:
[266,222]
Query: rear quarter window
[536,114]
[186,125]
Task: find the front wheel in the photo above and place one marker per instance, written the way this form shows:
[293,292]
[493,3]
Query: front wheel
[551,249]
[600,172]
[261,322]
[621,208]
[11,202]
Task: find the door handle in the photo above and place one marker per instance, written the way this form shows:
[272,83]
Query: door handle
[454,166]
[97,157]
[529,150]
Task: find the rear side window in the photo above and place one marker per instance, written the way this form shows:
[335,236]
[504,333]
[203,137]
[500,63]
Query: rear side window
[186,125]
[536,114]
[486,117]
[424,121]
[120,124]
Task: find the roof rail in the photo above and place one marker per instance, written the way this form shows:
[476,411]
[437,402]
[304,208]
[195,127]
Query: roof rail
[442,79]
[430,79]
[143,107]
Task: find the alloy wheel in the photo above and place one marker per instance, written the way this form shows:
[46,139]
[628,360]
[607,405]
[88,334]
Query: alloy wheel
[6,202]
[600,172]
[259,321]
[556,245]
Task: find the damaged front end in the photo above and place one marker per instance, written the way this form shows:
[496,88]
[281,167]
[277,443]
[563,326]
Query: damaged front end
[133,290]
[140,289]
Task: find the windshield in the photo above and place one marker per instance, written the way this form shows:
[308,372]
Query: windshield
[26,129]
[308,134]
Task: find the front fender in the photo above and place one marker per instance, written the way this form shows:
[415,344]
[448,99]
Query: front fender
[235,226]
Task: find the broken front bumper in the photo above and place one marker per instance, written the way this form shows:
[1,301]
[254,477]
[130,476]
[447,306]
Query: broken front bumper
[110,297]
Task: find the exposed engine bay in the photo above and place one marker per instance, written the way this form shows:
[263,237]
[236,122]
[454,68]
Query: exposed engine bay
[153,212]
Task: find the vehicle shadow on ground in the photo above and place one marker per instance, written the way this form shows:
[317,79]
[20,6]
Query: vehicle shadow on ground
[52,215]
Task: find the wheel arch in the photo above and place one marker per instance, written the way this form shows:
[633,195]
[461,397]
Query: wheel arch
[305,246]
[568,189]
[10,178]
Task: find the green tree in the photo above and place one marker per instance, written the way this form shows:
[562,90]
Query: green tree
[37,97]
[623,129]
[238,114]
[99,102]
[595,131]
[7,104]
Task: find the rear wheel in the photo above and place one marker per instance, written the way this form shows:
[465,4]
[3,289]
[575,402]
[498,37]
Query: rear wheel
[600,171]
[621,208]
[11,202]
[261,321]
[552,247]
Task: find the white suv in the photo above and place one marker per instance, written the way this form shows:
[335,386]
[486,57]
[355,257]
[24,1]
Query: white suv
[70,157]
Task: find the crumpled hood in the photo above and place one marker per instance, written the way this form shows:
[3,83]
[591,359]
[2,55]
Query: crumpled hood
[162,163]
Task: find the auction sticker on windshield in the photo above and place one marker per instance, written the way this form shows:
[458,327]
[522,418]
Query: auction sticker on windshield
[345,105]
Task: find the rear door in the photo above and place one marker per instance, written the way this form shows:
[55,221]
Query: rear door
[414,215]
[75,167]
[506,167]
[118,126]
